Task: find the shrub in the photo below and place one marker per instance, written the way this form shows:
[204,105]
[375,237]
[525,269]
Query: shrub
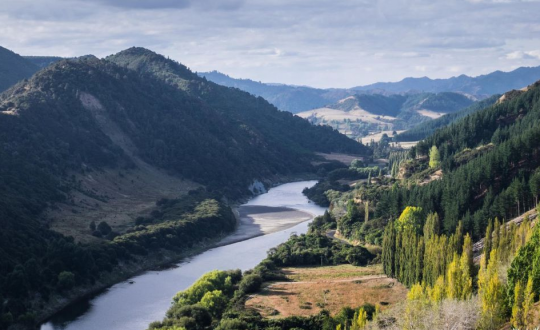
[250,283]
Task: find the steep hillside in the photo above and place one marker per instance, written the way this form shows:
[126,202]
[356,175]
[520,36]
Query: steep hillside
[363,114]
[285,97]
[497,82]
[292,134]
[427,128]
[13,68]
[88,140]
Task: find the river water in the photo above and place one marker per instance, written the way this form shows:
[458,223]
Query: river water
[133,306]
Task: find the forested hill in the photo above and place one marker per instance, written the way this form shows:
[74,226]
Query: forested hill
[489,163]
[217,136]
[497,82]
[427,128]
[285,97]
[290,134]
[14,68]
[89,120]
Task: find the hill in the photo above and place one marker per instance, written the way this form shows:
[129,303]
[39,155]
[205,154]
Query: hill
[298,99]
[107,153]
[14,68]
[285,97]
[427,128]
[362,114]
[497,82]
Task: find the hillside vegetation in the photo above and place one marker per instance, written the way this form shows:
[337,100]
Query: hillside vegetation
[363,114]
[78,121]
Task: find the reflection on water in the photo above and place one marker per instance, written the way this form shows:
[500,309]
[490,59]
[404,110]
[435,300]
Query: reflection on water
[134,306]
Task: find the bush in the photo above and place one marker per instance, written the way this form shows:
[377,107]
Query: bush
[104,228]
[66,280]
[250,283]
[232,324]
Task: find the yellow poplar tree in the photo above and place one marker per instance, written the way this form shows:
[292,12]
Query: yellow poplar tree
[491,293]
[517,309]
[437,292]
[528,302]
[361,321]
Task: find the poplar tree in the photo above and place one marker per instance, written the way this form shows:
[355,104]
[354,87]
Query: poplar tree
[517,309]
[434,157]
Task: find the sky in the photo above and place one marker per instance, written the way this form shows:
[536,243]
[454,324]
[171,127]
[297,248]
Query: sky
[319,43]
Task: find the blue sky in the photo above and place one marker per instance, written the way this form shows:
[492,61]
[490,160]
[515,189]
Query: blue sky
[321,43]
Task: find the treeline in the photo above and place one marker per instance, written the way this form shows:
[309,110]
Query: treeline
[318,250]
[440,269]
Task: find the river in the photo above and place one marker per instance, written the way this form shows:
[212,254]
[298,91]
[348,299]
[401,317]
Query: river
[145,298]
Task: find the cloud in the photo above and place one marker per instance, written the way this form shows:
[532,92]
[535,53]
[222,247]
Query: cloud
[521,55]
[171,4]
[324,43]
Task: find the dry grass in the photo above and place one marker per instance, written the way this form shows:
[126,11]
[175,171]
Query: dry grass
[377,136]
[312,289]
[344,158]
[431,114]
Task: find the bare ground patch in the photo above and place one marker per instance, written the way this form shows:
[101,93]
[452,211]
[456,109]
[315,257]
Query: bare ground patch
[315,288]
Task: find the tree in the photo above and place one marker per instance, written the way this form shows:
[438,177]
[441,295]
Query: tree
[104,228]
[361,321]
[366,216]
[215,301]
[517,308]
[93,226]
[434,157]
[491,293]
[528,302]
[411,217]
[66,280]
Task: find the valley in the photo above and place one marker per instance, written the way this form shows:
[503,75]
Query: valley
[139,193]
[149,293]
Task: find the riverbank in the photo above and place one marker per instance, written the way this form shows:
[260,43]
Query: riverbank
[249,226]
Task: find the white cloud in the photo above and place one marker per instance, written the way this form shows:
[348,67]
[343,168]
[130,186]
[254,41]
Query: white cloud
[521,55]
[324,43]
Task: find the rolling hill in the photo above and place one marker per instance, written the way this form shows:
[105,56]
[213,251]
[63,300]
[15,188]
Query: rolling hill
[285,97]
[298,99]
[14,68]
[361,114]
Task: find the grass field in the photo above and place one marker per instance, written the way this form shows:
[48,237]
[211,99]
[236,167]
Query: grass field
[311,289]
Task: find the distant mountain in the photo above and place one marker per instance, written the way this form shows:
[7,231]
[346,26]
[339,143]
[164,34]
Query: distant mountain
[285,97]
[297,99]
[43,61]
[497,82]
[14,68]
[362,114]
